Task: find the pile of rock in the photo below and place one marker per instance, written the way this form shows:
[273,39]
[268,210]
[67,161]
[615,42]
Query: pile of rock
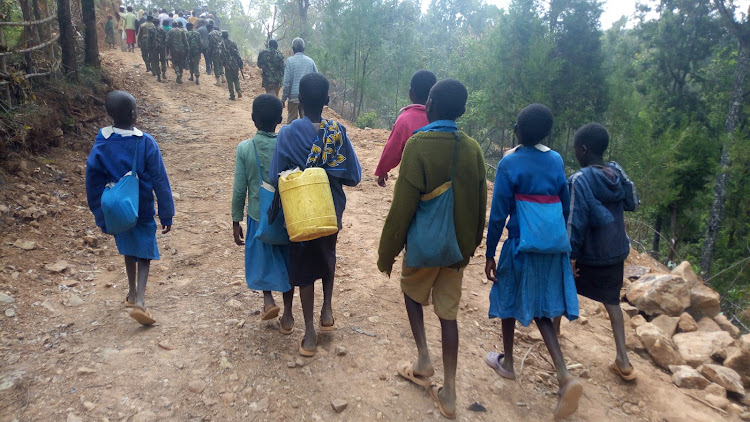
[677,319]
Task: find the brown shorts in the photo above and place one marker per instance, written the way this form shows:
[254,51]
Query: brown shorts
[444,283]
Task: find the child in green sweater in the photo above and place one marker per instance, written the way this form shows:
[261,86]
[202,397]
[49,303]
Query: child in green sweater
[427,164]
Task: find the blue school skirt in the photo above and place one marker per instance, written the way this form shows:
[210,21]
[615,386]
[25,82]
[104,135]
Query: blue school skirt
[266,266]
[531,285]
[140,241]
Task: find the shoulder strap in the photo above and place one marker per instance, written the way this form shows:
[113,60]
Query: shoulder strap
[135,156]
[455,155]
[257,162]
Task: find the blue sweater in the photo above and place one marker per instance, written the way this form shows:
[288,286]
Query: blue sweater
[596,225]
[112,156]
[527,170]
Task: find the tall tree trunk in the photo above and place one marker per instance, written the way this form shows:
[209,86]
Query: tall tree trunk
[31,34]
[657,236]
[722,178]
[41,12]
[88,9]
[67,41]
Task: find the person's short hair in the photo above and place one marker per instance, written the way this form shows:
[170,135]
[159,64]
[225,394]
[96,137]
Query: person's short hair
[313,90]
[149,18]
[272,43]
[165,22]
[170,14]
[267,110]
[225,34]
[122,8]
[119,105]
[534,123]
[421,84]
[179,24]
[189,26]
[594,136]
[130,8]
[210,27]
[298,44]
[449,99]
[163,10]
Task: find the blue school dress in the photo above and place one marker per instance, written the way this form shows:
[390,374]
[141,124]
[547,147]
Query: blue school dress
[266,266]
[530,285]
[110,158]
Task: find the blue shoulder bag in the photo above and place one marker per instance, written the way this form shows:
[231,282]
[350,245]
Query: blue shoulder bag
[120,201]
[431,239]
[270,232]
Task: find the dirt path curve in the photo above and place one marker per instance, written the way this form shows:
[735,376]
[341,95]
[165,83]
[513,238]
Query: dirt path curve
[70,351]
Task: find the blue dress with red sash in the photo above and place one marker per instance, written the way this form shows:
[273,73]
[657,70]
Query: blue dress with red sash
[530,284]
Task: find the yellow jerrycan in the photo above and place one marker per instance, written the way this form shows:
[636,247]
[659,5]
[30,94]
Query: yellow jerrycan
[308,204]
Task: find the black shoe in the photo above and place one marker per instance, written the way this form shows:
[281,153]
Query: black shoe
[231,98]
[239,95]
[190,78]
[196,81]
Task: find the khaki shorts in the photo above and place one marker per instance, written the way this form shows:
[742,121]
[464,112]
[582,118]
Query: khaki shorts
[444,283]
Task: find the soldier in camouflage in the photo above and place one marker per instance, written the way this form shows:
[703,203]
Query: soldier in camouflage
[230,57]
[214,39]
[157,43]
[194,53]
[143,40]
[177,46]
[271,62]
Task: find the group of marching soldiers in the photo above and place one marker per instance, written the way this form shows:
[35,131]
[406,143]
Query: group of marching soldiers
[182,44]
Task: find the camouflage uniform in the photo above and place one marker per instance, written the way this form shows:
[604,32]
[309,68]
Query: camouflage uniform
[230,57]
[214,39]
[271,62]
[143,43]
[157,42]
[194,53]
[177,46]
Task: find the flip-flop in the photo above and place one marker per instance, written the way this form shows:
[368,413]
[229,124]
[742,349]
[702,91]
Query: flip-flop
[328,327]
[129,304]
[434,390]
[304,352]
[284,331]
[270,314]
[142,316]
[406,370]
[493,361]
[567,403]
[630,376]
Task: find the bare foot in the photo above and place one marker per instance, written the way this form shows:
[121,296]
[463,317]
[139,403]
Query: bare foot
[287,321]
[449,400]
[326,316]
[311,340]
[423,368]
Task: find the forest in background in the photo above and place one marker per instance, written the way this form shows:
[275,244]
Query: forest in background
[669,83]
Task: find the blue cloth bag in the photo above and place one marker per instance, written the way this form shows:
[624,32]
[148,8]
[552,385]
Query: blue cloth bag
[542,225]
[269,233]
[120,201]
[431,239]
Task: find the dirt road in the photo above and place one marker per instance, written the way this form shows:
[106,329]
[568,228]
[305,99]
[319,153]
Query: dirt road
[69,351]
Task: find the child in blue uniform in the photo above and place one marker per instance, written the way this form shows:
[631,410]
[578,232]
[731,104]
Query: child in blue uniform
[530,285]
[110,158]
[599,194]
[265,265]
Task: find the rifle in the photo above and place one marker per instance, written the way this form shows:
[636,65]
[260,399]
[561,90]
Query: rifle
[239,60]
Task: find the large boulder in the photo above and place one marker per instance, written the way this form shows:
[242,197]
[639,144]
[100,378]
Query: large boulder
[726,325]
[708,324]
[667,324]
[704,301]
[687,323]
[660,294]
[685,376]
[685,270]
[739,359]
[725,377]
[697,347]
[659,346]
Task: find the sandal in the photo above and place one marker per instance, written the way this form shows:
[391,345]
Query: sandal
[142,316]
[271,313]
[283,330]
[567,403]
[434,390]
[328,327]
[493,361]
[406,370]
[304,352]
[630,376]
